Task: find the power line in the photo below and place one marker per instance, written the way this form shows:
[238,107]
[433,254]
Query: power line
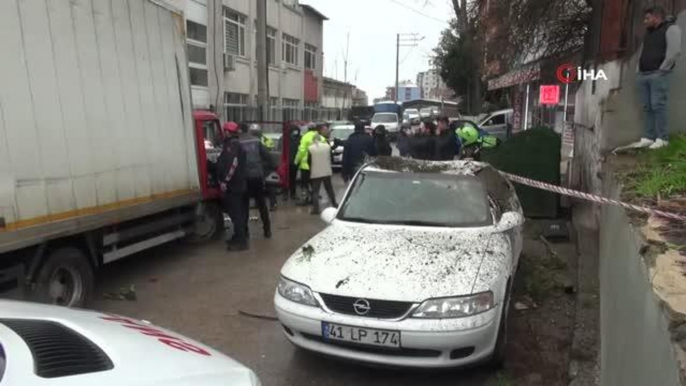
[419,12]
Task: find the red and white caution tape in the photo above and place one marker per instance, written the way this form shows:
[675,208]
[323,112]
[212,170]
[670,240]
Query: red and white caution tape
[590,197]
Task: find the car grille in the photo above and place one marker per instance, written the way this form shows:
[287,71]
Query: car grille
[57,350]
[382,309]
[397,352]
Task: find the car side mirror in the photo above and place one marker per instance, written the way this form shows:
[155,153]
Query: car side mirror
[329,214]
[509,220]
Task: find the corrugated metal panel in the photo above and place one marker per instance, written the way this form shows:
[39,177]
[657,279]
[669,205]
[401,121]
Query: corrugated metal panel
[91,106]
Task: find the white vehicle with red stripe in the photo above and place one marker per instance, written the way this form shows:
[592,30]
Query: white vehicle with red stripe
[48,345]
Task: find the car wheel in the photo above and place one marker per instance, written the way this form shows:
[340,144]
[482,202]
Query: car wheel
[65,279]
[208,224]
[497,359]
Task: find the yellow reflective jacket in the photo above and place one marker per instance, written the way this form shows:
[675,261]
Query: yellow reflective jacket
[267,142]
[302,157]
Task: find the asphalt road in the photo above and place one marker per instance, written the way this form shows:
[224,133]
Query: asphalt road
[198,291]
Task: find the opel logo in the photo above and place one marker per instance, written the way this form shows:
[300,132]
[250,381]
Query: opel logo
[361,306]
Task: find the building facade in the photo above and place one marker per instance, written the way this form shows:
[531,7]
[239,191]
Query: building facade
[407,91]
[432,86]
[221,40]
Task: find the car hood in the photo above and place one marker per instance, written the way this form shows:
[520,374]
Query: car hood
[139,355]
[392,262]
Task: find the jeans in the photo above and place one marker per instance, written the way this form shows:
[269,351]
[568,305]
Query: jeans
[653,89]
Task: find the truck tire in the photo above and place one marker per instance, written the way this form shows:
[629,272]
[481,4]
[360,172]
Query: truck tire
[208,224]
[66,279]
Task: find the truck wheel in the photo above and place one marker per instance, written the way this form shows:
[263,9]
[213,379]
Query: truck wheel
[66,279]
[208,224]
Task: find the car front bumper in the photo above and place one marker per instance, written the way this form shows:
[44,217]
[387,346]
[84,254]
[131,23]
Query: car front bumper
[443,343]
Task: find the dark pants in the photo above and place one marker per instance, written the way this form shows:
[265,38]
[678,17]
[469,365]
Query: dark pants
[316,185]
[233,205]
[292,178]
[257,191]
[271,194]
[305,185]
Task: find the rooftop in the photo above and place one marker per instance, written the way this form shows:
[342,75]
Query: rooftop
[314,11]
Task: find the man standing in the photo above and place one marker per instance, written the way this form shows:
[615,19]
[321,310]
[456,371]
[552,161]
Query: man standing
[358,146]
[293,144]
[256,131]
[232,179]
[445,142]
[320,169]
[661,49]
[257,157]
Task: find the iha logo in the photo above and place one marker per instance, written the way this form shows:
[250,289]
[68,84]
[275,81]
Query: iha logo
[569,73]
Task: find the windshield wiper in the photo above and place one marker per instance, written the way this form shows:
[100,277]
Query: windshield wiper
[362,220]
[418,223]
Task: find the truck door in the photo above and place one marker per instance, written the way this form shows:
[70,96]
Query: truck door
[210,138]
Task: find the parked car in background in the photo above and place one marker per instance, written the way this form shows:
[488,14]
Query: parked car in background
[411,116]
[498,123]
[50,345]
[390,121]
[429,112]
[337,138]
[401,281]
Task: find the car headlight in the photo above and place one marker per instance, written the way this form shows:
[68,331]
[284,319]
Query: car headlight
[457,307]
[296,292]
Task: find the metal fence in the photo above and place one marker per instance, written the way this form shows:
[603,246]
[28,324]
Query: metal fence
[247,113]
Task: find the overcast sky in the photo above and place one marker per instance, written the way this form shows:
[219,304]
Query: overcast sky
[373,25]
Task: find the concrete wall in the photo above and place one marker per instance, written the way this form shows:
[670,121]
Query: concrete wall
[636,348]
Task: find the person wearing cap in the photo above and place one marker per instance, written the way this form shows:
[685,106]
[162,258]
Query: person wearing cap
[302,159]
[320,168]
[231,174]
[256,131]
[257,157]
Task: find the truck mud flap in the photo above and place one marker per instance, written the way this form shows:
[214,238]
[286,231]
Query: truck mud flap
[12,283]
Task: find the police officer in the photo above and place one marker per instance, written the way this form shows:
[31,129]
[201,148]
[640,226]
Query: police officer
[302,159]
[256,131]
[231,175]
[257,156]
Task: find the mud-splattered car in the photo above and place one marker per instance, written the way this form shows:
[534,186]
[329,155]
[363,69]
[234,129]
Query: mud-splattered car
[415,268]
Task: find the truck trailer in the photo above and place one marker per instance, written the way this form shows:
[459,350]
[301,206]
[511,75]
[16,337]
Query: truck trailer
[101,153]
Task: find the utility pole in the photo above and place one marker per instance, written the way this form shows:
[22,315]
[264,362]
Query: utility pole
[345,60]
[262,85]
[403,40]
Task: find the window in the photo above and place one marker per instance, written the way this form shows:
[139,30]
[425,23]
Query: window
[236,106]
[234,33]
[289,49]
[271,46]
[496,120]
[195,31]
[211,134]
[196,45]
[310,57]
[198,77]
[196,54]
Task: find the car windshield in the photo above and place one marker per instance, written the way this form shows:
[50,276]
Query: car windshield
[428,199]
[341,133]
[385,118]
[412,112]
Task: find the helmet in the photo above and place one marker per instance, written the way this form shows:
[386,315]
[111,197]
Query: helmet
[230,127]
[467,134]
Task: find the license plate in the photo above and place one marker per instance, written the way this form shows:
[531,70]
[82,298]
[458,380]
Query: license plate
[360,335]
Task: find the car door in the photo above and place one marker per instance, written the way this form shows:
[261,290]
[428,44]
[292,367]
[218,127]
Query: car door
[496,125]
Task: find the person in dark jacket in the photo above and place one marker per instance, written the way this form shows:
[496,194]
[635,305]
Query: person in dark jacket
[294,143]
[658,58]
[231,174]
[445,141]
[422,145]
[358,146]
[257,156]
[381,144]
[403,140]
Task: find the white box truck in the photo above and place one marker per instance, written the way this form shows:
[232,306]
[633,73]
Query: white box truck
[101,155]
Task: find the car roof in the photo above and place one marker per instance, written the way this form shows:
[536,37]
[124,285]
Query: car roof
[500,111]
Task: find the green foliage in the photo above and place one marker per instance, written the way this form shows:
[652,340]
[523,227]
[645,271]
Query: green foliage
[660,172]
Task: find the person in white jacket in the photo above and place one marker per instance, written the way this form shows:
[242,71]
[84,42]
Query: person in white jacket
[320,169]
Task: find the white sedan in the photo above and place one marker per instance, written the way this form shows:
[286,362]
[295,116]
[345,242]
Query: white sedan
[415,268]
[44,345]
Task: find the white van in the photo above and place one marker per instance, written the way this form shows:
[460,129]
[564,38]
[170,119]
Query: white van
[499,123]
